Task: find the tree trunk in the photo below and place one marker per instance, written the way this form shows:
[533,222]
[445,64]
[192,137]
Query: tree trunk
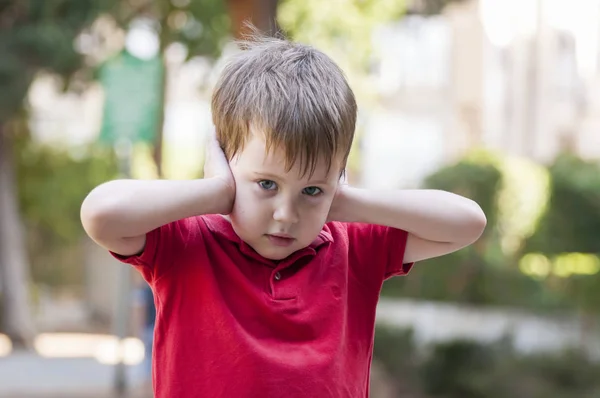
[14,276]
[261,13]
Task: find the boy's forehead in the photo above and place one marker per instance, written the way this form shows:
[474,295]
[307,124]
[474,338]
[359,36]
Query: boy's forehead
[257,157]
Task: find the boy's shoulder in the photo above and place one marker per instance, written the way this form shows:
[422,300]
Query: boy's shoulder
[198,224]
[358,229]
[210,228]
[368,238]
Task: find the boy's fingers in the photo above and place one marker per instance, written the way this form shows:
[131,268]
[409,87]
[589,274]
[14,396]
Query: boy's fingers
[213,141]
[212,132]
[344,178]
[211,137]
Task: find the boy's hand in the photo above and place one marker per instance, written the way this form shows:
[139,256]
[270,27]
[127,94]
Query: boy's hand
[336,212]
[216,167]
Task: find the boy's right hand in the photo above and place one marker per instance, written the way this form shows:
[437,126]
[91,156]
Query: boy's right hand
[217,167]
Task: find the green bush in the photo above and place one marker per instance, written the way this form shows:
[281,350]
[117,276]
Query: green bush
[395,349]
[454,277]
[572,221]
[480,181]
[530,209]
[467,369]
[52,184]
[458,369]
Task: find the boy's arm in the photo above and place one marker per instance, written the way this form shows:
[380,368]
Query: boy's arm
[438,222]
[118,214]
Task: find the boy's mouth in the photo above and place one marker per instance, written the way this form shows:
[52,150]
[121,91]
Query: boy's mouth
[280,239]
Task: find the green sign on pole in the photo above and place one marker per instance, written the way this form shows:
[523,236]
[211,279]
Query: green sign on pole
[133,97]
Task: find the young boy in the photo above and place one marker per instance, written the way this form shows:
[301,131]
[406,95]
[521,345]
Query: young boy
[267,272]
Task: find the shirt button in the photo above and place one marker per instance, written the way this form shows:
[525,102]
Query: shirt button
[277,276]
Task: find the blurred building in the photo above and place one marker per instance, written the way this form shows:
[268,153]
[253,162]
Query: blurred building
[520,77]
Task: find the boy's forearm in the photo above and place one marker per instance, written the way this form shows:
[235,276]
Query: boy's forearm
[429,214]
[130,208]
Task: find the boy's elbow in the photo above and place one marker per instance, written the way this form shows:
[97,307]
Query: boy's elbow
[95,216]
[91,218]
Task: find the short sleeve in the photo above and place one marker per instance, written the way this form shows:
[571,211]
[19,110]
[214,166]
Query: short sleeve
[379,248]
[163,246]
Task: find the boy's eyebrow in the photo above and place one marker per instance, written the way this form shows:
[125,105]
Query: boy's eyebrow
[276,177]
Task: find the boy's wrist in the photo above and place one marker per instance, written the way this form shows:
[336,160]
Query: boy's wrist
[223,194]
[343,207]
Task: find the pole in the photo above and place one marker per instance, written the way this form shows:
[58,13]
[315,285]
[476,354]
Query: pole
[123,149]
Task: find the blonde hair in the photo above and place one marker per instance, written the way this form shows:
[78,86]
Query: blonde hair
[294,94]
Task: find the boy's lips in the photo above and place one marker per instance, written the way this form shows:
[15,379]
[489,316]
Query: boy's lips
[280,239]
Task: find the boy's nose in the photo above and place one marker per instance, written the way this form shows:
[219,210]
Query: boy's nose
[286,213]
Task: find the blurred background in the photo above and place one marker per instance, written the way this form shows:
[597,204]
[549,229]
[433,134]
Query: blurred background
[496,100]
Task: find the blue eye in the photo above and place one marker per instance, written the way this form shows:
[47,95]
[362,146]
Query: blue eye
[312,191]
[267,185]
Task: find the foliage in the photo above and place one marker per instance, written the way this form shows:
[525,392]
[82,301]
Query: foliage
[467,369]
[396,349]
[460,276]
[200,25]
[457,369]
[39,35]
[52,185]
[514,194]
[342,28]
[430,7]
[34,36]
[572,221]
[571,224]
[454,279]
[479,181]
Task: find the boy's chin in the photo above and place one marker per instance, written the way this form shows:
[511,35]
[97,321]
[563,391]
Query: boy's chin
[275,253]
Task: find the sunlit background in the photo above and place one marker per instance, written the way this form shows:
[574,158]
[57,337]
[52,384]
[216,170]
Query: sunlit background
[495,100]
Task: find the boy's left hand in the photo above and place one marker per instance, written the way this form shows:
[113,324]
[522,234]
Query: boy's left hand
[337,205]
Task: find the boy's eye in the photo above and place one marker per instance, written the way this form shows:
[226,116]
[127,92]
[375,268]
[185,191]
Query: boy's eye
[267,185]
[312,191]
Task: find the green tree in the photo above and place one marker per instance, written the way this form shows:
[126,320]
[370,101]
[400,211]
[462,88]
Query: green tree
[34,36]
[52,185]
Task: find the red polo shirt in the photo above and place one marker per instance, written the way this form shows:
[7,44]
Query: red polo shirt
[233,324]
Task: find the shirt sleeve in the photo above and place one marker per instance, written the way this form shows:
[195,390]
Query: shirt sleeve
[164,245]
[379,248]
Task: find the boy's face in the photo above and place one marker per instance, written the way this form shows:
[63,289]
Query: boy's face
[278,212]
